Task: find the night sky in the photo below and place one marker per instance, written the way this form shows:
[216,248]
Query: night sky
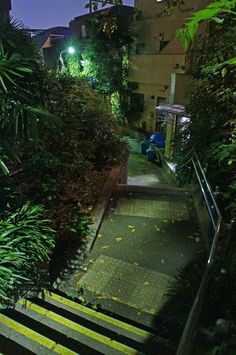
[49,13]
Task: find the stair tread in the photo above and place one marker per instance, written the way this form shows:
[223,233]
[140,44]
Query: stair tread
[37,342]
[114,323]
[72,329]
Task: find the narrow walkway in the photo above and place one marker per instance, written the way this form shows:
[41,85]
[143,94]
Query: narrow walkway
[141,172]
[149,231]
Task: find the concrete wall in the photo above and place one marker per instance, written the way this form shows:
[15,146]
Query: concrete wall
[151,70]
[122,11]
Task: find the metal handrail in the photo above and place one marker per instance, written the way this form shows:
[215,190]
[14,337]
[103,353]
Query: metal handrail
[186,341]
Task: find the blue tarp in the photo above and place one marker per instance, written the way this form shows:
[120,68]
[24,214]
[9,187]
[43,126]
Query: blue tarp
[159,139]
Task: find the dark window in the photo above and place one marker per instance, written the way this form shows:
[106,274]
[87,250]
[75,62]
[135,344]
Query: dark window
[137,102]
[163,44]
[140,48]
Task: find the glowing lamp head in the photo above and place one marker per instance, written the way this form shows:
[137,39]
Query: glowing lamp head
[71,50]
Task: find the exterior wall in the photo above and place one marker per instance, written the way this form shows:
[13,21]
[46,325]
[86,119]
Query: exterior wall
[182,88]
[78,24]
[158,56]
[50,43]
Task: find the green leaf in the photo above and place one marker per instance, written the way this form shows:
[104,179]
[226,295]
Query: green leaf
[224,72]
[192,29]
[4,168]
[218,20]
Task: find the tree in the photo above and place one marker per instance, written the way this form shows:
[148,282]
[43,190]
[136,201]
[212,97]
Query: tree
[93,4]
[212,102]
[212,132]
[105,58]
[21,90]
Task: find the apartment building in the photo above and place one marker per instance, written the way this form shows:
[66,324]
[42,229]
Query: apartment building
[157,63]
[79,28]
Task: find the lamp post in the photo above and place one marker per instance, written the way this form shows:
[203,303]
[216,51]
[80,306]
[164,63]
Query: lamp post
[70,50]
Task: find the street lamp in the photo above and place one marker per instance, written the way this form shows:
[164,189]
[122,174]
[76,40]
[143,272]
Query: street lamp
[70,50]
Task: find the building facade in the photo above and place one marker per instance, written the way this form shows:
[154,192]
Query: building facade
[51,42]
[158,60]
[79,28]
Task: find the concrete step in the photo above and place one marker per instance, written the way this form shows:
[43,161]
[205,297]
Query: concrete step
[53,324]
[49,316]
[28,339]
[98,319]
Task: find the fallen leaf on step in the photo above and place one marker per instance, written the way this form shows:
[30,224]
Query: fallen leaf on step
[99,235]
[163,261]
[102,297]
[130,226]
[119,239]
[146,283]
[81,298]
[84,268]
[106,247]
[133,230]
[115,298]
[91,261]
[136,264]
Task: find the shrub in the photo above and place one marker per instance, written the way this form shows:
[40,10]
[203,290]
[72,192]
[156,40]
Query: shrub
[26,242]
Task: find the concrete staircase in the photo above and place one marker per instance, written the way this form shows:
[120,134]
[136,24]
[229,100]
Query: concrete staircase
[52,324]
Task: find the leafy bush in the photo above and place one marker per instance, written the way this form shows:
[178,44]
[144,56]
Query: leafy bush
[26,242]
[90,132]
[212,130]
[22,94]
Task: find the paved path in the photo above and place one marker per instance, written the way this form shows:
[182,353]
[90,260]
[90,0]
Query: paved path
[147,234]
[144,173]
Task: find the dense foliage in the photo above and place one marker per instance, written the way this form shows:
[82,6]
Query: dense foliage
[105,58]
[21,90]
[58,140]
[212,133]
[26,243]
[212,106]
